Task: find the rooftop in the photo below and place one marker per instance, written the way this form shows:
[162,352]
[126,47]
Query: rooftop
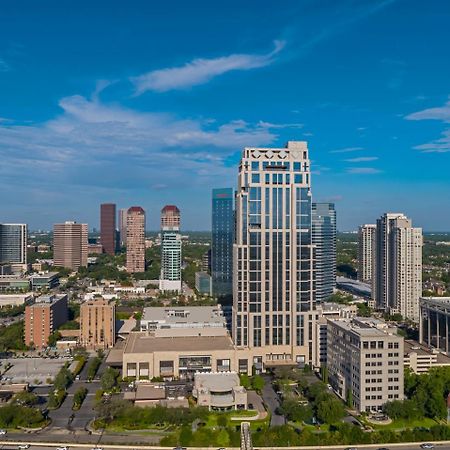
[49,299]
[421,350]
[172,315]
[139,342]
[217,382]
[366,326]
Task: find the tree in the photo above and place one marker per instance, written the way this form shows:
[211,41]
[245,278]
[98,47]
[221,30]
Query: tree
[25,399]
[349,401]
[53,338]
[245,380]
[324,373]
[329,410]
[63,379]
[109,379]
[222,421]
[258,383]
[79,397]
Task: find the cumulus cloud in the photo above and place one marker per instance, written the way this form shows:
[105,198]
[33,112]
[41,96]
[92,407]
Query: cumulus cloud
[109,145]
[440,113]
[363,170]
[201,70]
[362,159]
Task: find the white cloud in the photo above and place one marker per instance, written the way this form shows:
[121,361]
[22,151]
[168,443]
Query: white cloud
[347,150]
[363,170]
[441,113]
[441,145]
[362,159]
[201,70]
[109,145]
[4,66]
[271,125]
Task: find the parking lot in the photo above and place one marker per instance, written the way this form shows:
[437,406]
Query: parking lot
[31,370]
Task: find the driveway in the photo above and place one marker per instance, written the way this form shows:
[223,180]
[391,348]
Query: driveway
[272,402]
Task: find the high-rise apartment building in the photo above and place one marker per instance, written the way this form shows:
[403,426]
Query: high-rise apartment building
[324,240]
[222,242]
[108,227]
[170,279]
[273,292]
[365,362]
[43,318]
[366,252]
[98,324]
[123,213]
[397,284]
[135,239]
[70,245]
[13,243]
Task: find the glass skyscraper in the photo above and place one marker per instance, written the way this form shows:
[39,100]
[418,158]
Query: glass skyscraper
[324,240]
[222,242]
[13,243]
[273,297]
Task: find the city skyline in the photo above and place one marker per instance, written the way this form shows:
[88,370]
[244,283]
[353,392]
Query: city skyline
[357,81]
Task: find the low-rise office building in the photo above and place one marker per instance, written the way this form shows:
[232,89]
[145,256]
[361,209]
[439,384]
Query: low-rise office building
[219,391]
[13,283]
[421,359]
[146,356]
[365,362]
[11,300]
[46,280]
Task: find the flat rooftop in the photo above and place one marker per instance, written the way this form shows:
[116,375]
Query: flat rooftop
[366,326]
[217,382]
[173,315]
[142,343]
[421,350]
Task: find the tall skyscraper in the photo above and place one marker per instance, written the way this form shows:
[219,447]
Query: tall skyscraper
[397,284]
[70,245]
[273,295]
[123,226]
[13,243]
[366,252]
[324,240]
[135,239]
[222,242]
[170,249]
[108,227]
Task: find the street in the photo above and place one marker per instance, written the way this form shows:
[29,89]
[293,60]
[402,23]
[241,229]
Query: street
[272,402]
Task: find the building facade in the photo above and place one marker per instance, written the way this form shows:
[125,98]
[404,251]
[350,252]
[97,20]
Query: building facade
[13,243]
[434,322]
[365,362]
[123,214]
[273,292]
[203,283]
[170,279]
[98,324]
[43,317]
[70,245]
[108,227]
[324,241]
[397,284]
[366,252]
[222,242]
[135,239]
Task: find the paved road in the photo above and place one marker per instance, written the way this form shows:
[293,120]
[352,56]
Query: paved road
[272,402]
[130,446]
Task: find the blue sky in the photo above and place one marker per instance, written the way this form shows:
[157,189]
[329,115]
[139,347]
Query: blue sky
[148,103]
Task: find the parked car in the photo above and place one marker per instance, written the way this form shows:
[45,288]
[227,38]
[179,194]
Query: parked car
[2,432]
[24,446]
[62,448]
[427,445]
